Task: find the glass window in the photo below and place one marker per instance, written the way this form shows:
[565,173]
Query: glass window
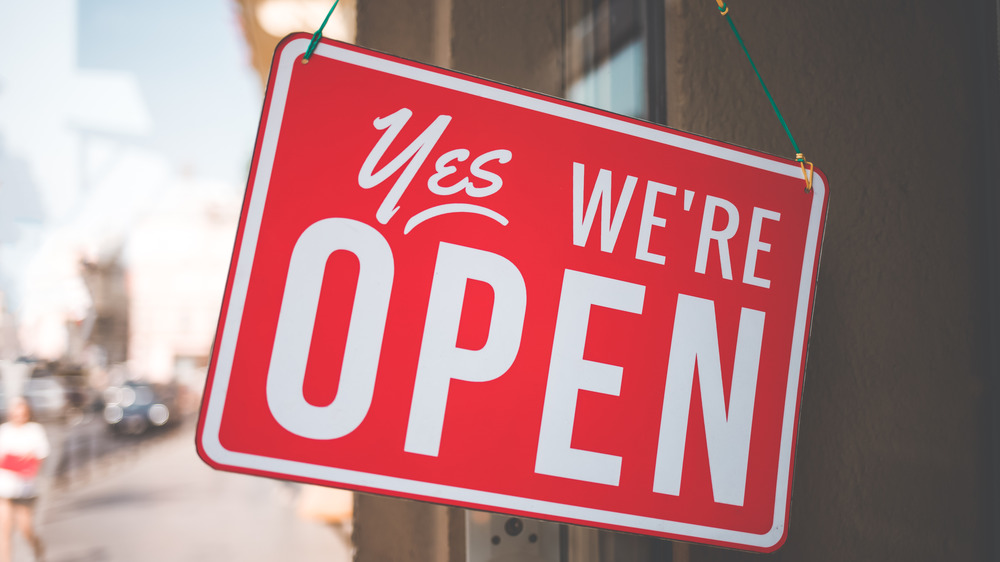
[615,56]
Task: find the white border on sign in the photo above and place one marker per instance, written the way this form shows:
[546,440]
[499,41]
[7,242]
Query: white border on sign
[244,264]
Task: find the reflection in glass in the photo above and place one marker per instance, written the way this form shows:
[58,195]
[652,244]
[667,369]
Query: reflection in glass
[614,56]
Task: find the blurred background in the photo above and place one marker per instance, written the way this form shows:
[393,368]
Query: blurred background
[126,132]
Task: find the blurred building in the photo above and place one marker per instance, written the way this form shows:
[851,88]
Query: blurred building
[897,102]
[9,346]
[106,327]
[178,259]
[265,22]
[91,152]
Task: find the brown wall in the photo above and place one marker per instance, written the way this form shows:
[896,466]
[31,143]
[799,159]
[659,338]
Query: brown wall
[891,463]
[896,102]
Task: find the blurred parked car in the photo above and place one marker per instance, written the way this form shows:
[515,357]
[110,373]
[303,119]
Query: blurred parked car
[134,407]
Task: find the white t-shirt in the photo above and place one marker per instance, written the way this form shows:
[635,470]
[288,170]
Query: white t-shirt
[28,438]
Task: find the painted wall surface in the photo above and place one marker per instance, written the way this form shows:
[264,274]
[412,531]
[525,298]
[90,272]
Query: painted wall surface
[896,101]
[891,460]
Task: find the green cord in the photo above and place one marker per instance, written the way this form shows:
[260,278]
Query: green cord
[766,91]
[319,33]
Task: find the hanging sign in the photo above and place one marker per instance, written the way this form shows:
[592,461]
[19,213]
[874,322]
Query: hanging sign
[451,290]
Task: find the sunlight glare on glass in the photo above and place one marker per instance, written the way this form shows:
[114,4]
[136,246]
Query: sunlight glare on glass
[281,17]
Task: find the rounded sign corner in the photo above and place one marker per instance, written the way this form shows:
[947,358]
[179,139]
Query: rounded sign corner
[210,450]
[291,45]
[655,245]
[774,539]
[291,37]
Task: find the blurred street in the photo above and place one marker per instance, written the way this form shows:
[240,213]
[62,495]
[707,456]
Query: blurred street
[153,499]
[122,173]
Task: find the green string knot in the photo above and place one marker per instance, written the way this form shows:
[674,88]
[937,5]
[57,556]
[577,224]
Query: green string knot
[319,33]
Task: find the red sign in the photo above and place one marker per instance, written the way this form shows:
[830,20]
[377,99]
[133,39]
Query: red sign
[452,290]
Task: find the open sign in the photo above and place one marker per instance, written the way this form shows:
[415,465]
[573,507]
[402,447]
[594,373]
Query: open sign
[451,290]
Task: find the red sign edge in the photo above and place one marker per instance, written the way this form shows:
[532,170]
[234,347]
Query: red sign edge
[210,449]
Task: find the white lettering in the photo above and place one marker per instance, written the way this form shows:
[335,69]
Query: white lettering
[440,360]
[755,245]
[496,182]
[442,170]
[649,220]
[695,342]
[415,154]
[569,373]
[293,337]
[599,197]
[720,236]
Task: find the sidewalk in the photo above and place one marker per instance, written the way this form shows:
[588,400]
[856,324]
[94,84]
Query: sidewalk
[161,503]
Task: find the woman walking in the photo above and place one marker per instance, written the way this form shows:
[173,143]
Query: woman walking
[23,446]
